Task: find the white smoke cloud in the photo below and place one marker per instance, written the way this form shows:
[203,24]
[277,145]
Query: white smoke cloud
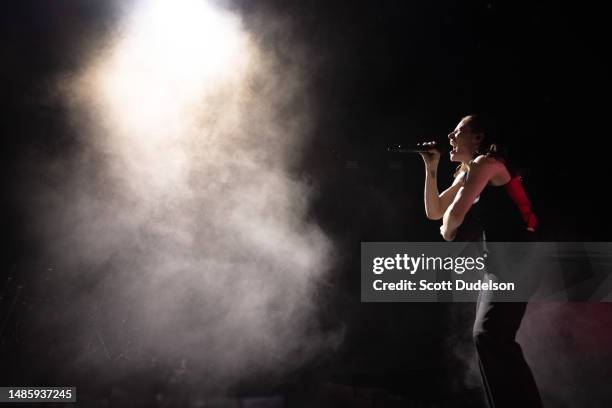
[567,346]
[178,223]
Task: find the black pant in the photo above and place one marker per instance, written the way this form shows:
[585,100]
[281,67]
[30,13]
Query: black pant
[506,377]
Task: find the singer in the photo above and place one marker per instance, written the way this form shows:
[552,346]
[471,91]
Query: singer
[487,202]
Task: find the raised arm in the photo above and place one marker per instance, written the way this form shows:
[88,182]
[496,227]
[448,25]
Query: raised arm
[436,203]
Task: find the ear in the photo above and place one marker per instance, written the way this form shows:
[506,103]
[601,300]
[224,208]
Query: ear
[479,137]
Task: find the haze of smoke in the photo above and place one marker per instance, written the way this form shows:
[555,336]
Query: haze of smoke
[178,226]
[568,348]
[460,341]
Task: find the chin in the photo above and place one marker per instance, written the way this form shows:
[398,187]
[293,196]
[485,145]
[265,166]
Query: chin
[459,157]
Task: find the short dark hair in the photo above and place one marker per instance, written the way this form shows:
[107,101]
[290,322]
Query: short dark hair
[492,144]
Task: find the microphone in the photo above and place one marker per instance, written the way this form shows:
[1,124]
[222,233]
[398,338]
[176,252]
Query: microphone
[420,148]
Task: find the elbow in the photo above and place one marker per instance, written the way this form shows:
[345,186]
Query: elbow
[433,215]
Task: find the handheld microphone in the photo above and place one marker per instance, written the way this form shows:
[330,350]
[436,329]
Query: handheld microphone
[420,148]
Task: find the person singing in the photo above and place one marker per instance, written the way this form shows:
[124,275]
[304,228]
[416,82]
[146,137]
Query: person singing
[487,202]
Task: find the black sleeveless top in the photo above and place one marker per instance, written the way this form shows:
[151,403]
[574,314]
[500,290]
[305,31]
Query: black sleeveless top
[500,214]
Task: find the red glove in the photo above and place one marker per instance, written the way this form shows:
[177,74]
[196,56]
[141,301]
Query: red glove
[517,193]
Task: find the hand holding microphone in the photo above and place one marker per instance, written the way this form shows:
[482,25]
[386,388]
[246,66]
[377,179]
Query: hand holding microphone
[430,151]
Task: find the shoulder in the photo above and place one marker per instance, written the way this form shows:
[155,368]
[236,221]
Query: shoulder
[492,169]
[486,163]
[484,168]
[486,160]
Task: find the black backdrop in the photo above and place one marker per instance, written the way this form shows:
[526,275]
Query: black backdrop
[379,73]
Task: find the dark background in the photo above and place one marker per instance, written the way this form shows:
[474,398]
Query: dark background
[380,73]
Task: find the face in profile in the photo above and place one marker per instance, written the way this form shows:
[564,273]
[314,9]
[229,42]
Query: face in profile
[464,142]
